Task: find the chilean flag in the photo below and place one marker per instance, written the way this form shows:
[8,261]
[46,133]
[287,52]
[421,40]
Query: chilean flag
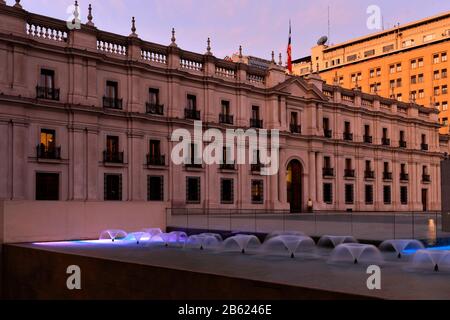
[289,50]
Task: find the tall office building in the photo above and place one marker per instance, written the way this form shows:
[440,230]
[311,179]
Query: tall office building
[408,63]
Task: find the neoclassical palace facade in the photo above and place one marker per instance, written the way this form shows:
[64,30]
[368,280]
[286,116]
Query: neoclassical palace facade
[86,118]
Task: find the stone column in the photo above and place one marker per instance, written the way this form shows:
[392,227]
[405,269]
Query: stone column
[77,163]
[94,149]
[19,160]
[136,156]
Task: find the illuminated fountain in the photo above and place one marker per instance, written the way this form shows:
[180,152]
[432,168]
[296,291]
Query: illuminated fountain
[138,236]
[177,238]
[152,231]
[334,241]
[283,233]
[241,242]
[290,243]
[428,260]
[399,246]
[203,241]
[356,253]
[113,234]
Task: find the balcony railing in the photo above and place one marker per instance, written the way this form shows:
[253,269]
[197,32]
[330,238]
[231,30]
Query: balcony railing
[256,167]
[112,103]
[386,142]
[43,152]
[369,174]
[226,118]
[328,172]
[295,128]
[191,114]
[348,136]
[402,144]
[426,178]
[157,109]
[424,147]
[404,177]
[228,166]
[112,157]
[256,123]
[193,165]
[387,175]
[349,173]
[328,133]
[368,139]
[153,160]
[47,93]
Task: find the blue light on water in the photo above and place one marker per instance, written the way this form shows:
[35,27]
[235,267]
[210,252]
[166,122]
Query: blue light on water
[412,251]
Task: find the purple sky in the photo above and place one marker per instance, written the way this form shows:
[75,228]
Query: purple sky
[259,25]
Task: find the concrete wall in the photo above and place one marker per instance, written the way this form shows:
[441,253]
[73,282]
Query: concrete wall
[29,221]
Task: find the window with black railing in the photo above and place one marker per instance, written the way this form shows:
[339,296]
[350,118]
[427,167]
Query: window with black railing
[47,149]
[112,153]
[191,111]
[348,136]
[425,175]
[385,141]
[111,99]
[424,145]
[327,170]
[153,106]
[227,162]
[225,117]
[403,173]
[367,136]
[255,120]
[387,174]
[154,157]
[256,164]
[46,87]
[349,172]
[194,159]
[402,140]
[368,172]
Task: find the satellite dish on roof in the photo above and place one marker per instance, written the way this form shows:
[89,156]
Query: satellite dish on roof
[322,41]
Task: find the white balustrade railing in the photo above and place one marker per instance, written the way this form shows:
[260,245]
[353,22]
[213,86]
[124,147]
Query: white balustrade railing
[191,65]
[225,72]
[46,33]
[153,56]
[111,48]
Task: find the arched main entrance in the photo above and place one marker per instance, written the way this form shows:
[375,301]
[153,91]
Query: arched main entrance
[294,185]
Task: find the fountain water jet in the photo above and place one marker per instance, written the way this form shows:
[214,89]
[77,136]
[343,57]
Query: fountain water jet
[334,241]
[291,243]
[139,236]
[152,231]
[113,234]
[428,260]
[203,241]
[175,237]
[283,233]
[241,242]
[401,245]
[356,253]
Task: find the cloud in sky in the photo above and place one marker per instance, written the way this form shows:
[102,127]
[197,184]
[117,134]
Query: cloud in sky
[260,26]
